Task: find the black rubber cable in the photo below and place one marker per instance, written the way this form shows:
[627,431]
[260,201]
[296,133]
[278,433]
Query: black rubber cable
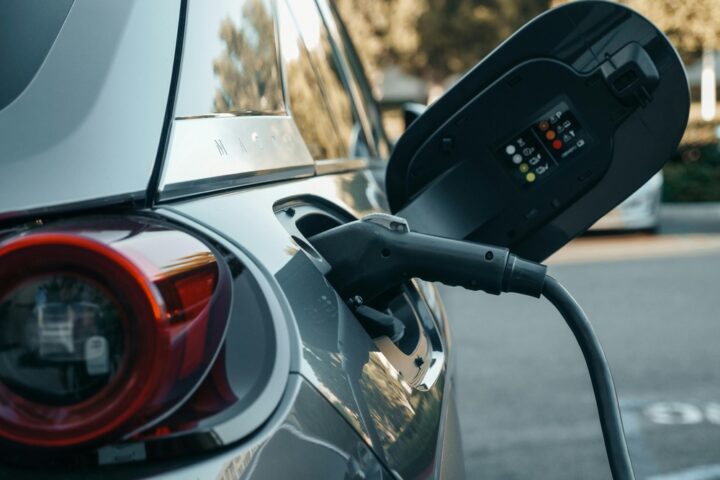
[602,382]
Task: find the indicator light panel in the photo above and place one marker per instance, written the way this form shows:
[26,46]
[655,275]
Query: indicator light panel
[540,149]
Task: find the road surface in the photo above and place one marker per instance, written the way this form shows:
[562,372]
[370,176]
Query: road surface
[525,400]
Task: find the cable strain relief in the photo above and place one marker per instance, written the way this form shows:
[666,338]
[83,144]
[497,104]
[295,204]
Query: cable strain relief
[524,277]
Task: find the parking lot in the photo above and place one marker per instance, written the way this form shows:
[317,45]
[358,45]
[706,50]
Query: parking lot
[525,400]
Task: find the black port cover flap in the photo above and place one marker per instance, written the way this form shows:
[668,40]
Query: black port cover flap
[548,133]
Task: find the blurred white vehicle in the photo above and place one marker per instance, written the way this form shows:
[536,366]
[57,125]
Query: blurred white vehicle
[641,211]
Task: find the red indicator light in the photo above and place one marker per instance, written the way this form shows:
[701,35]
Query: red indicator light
[557,144]
[550,134]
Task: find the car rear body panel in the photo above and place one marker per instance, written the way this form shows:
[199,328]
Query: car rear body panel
[341,406]
[90,130]
[305,439]
[403,425]
[87,128]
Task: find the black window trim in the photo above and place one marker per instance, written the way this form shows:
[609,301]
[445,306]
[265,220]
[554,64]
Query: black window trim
[348,79]
[359,74]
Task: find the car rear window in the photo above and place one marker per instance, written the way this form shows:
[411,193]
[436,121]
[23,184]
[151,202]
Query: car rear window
[230,60]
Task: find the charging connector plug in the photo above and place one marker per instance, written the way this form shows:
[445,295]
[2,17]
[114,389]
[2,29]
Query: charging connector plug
[379,252]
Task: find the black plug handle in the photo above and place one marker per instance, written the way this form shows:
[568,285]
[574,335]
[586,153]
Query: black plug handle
[368,259]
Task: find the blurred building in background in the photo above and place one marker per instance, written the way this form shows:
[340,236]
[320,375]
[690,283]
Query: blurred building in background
[415,49]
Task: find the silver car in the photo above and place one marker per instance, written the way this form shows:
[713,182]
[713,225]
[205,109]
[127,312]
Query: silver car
[641,211]
[163,313]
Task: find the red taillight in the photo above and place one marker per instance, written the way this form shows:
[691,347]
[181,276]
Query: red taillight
[105,326]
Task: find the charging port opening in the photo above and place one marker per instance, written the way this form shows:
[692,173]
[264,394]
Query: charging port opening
[416,352]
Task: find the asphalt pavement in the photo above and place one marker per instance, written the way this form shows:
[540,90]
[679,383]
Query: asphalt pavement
[525,400]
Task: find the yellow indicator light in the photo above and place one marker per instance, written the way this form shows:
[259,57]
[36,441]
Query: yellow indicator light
[530,177]
[524,167]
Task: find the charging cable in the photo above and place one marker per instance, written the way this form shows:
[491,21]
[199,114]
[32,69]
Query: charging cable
[599,370]
[370,256]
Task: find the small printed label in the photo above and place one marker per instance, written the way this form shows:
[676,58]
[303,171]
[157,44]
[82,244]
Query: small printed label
[96,356]
[132,452]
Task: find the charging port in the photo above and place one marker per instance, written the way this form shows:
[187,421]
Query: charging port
[399,321]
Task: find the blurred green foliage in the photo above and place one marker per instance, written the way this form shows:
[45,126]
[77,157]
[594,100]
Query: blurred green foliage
[693,175]
[434,39]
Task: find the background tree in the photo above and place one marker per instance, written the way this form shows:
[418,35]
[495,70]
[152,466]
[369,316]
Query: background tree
[248,70]
[433,39]
[437,38]
[455,34]
[384,31]
[691,25]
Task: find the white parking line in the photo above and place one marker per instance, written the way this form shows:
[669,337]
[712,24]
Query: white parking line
[703,472]
[683,413]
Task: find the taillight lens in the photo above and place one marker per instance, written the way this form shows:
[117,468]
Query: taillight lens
[105,326]
[61,339]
